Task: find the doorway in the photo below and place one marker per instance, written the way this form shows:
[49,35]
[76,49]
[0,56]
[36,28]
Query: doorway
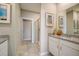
[37,31]
[27,47]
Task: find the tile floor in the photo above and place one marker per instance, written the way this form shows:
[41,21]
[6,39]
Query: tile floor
[28,49]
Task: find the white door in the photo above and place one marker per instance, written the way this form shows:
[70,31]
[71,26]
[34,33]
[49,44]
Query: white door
[27,30]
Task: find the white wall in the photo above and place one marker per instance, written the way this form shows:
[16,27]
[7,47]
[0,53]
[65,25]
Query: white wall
[27,30]
[51,8]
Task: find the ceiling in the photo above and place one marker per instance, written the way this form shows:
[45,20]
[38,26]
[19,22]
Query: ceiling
[35,7]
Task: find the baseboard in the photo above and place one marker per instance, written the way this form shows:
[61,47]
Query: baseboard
[44,54]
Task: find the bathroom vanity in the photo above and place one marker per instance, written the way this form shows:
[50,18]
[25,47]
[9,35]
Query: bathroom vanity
[3,45]
[68,43]
[63,45]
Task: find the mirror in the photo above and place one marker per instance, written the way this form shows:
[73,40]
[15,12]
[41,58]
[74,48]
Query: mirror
[72,18]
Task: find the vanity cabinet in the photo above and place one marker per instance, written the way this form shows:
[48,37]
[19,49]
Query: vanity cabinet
[69,49]
[53,46]
[59,47]
[4,48]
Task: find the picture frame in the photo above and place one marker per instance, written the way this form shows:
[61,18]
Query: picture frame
[49,19]
[4,13]
[60,21]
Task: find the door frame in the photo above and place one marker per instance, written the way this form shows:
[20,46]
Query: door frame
[38,29]
[32,27]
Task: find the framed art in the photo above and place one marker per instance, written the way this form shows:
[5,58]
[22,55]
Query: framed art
[60,21]
[49,19]
[4,13]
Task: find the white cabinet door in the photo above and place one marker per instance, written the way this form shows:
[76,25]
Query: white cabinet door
[4,48]
[68,50]
[53,46]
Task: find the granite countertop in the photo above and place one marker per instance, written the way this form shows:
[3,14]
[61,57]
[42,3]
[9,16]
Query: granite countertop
[70,38]
[3,38]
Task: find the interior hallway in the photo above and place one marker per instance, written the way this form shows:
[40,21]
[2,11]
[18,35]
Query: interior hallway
[27,48]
